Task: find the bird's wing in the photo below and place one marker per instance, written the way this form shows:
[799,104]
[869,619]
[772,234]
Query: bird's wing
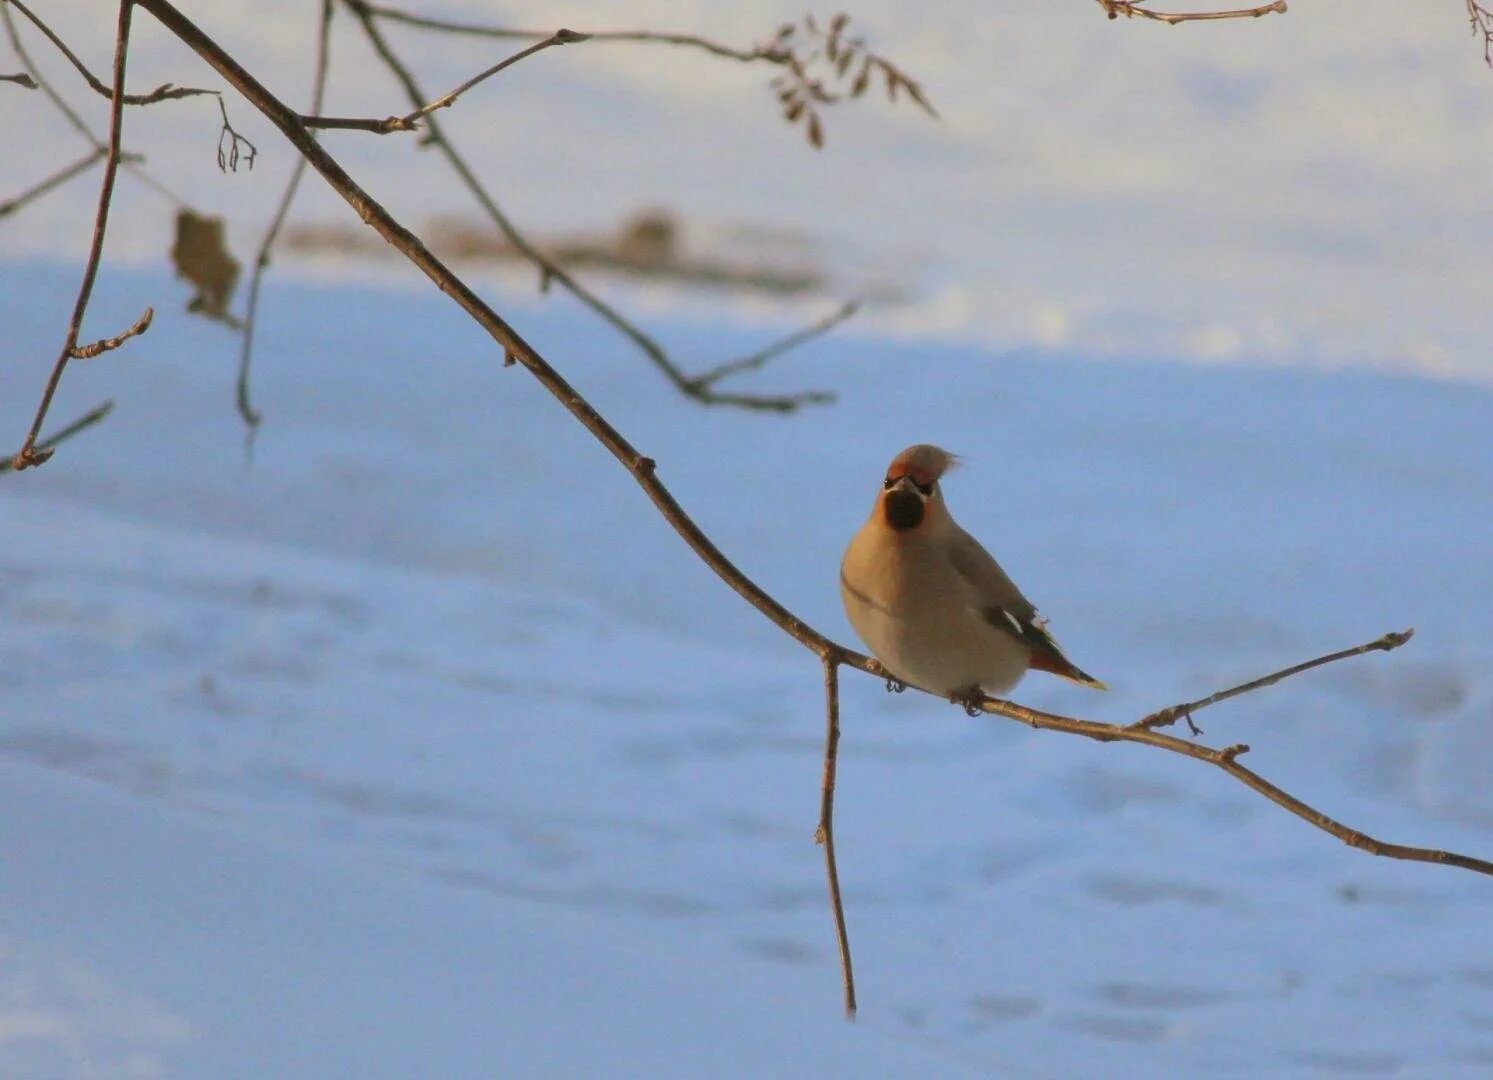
[998,599]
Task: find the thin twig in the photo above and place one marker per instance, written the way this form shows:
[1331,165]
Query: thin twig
[1115,8]
[57,179]
[165,92]
[825,834]
[246,409]
[644,470]
[29,455]
[22,79]
[753,361]
[559,37]
[103,345]
[1172,713]
[551,272]
[1481,21]
[411,120]
[132,163]
[47,445]
[449,26]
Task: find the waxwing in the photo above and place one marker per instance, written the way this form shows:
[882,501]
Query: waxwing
[930,602]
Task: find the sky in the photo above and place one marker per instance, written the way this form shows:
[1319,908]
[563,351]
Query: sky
[1304,189]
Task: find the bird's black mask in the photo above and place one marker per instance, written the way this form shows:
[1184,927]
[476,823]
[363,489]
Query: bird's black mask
[903,509]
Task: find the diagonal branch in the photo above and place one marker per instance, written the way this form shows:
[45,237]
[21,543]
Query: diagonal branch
[551,272]
[246,409]
[1115,8]
[1170,715]
[57,179]
[103,345]
[29,454]
[706,379]
[411,121]
[644,470]
[47,445]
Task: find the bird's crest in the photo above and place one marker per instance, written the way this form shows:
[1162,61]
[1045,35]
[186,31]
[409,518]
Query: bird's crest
[924,462]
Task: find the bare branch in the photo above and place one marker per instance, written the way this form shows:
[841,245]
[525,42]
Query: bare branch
[1481,21]
[1225,760]
[644,470]
[229,142]
[753,361]
[165,92]
[103,345]
[246,410]
[550,272]
[1115,8]
[47,445]
[29,455]
[22,79]
[559,37]
[825,834]
[57,179]
[1172,713]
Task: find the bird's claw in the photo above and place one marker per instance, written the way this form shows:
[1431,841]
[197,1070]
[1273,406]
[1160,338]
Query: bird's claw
[895,685]
[968,700]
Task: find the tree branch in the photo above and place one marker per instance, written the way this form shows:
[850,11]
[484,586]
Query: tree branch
[551,272]
[47,445]
[165,92]
[57,179]
[103,345]
[1169,715]
[644,470]
[246,409]
[29,454]
[751,362]
[825,834]
[1480,19]
[1115,8]
[22,80]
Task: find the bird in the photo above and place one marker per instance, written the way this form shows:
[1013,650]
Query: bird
[932,605]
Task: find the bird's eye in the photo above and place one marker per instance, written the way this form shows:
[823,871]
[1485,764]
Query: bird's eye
[887,484]
[926,489]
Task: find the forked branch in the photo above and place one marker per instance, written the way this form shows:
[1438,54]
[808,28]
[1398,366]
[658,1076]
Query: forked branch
[1172,713]
[1116,8]
[30,454]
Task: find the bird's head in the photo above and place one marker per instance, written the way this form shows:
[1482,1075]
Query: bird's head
[910,494]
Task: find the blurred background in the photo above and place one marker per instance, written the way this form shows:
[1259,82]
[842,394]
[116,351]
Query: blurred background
[405,739]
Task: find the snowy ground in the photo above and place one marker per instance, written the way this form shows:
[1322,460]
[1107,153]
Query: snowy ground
[422,747]
[1218,191]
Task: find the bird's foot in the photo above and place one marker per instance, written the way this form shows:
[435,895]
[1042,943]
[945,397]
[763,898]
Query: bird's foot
[894,685]
[969,700]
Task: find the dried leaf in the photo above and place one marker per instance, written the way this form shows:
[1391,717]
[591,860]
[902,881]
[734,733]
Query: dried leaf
[816,132]
[200,256]
[892,79]
[793,112]
[862,80]
[846,57]
[838,23]
[916,93]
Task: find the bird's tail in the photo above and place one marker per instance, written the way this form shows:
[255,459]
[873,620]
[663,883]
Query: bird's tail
[1053,661]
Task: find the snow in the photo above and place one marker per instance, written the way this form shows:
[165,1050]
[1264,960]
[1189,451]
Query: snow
[419,745]
[1306,189]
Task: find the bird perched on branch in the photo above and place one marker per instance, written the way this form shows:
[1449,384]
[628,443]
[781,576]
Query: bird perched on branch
[930,603]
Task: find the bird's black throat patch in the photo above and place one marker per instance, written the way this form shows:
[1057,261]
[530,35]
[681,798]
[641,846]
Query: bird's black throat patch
[903,510]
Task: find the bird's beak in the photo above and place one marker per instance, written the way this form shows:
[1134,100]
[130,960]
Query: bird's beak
[903,505]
